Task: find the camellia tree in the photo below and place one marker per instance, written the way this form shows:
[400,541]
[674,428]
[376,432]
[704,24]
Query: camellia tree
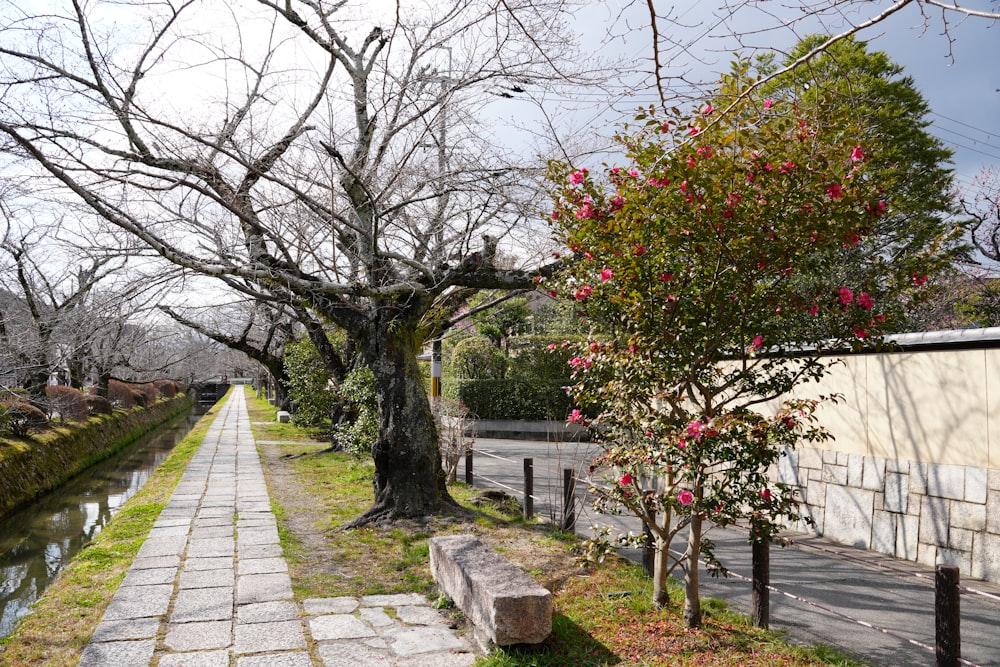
[713,265]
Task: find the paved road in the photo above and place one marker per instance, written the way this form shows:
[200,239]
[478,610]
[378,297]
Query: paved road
[896,596]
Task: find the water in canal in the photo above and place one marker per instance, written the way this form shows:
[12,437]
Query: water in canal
[38,542]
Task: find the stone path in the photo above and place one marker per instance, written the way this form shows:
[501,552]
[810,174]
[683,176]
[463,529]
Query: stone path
[210,586]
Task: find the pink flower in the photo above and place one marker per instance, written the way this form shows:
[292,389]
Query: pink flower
[606,275]
[835,191]
[595,346]
[626,480]
[685,497]
[876,210]
[813,309]
[766,494]
[758,343]
[552,346]
[786,167]
[584,292]
[861,332]
[639,250]
[865,301]
[918,280]
[577,177]
[666,277]
[575,417]
[694,429]
[857,154]
[682,443]
[768,103]
[846,295]
[693,131]
[587,255]
[708,109]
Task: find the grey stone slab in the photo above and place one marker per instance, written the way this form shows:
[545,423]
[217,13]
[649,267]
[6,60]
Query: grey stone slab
[259,551]
[206,522]
[199,659]
[216,512]
[263,588]
[207,578]
[169,523]
[376,617]
[351,655]
[139,602]
[422,615]
[135,628]
[258,536]
[264,612]
[210,563]
[397,600]
[213,546]
[297,659]
[339,626]
[449,659]
[203,604]
[168,545]
[155,562]
[265,637]
[119,654]
[199,636]
[262,566]
[946,481]
[420,639]
[208,532]
[150,576]
[168,531]
[339,605]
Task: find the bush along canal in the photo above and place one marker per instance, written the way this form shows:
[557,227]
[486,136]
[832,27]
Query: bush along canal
[38,541]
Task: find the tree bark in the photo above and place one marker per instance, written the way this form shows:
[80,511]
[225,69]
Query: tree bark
[661,566]
[692,599]
[409,479]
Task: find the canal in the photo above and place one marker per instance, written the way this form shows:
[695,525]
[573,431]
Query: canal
[39,541]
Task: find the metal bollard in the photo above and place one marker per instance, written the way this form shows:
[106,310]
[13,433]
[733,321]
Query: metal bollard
[529,488]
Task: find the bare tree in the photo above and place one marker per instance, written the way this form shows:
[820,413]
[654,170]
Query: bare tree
[343,169]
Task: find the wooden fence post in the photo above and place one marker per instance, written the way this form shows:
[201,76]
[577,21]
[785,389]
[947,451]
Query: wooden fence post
[468,467]
[948,642]
[569,498]
[760,595]
[529,488]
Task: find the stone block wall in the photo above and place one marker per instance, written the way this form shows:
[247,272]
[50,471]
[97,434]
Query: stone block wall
[924,512]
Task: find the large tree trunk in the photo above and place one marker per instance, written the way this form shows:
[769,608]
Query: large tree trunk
[409,479]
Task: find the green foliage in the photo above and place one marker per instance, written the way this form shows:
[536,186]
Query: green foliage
[718,265]
[542,359]
[19,418]
[476,358]
[357,435]
[506,319]
[511,398]
[312,394]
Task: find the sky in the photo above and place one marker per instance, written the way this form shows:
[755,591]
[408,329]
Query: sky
[953,62]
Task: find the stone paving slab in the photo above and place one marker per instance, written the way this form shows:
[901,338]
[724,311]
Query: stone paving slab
[199,636]
[273,636]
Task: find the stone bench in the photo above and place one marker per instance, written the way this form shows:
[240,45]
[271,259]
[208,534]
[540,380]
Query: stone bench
[284,416]
[505,605]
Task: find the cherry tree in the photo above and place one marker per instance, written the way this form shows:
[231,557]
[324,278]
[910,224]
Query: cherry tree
[717,266]
[312,150]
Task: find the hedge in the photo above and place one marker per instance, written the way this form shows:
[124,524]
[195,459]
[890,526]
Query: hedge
[511,398]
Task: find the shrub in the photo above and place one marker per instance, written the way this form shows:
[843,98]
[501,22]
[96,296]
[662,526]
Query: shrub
[512,399]
[120,395]
[19,418]
[70,403]
[139,398]
[476,358]
[166,388]
[98,405]
[542,359]
[310,388]
[151,393]
[357,436]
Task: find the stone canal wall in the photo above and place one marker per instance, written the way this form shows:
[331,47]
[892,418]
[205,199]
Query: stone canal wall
[29,468]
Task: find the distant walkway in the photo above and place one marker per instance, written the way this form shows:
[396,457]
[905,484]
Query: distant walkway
[210,586]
